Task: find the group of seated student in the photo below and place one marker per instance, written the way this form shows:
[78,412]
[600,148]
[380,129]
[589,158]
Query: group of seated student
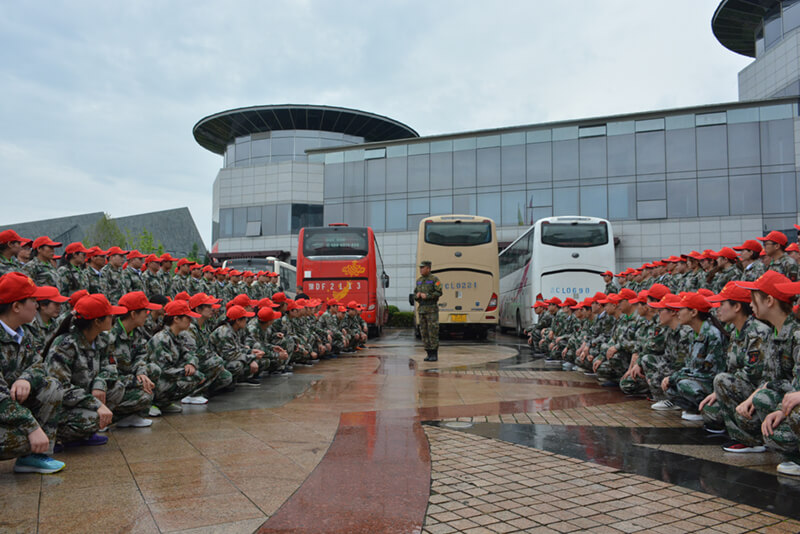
[713,335]
[84,346]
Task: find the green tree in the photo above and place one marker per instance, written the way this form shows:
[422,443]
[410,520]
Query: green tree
[193,255]
[105,234]
[145,243]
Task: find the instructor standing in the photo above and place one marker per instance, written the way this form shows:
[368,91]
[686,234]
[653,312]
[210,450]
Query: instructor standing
[427,293]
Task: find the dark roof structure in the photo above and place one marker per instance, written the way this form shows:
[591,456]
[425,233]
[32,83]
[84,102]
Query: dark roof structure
[216,131]
[175,229]
[735,22]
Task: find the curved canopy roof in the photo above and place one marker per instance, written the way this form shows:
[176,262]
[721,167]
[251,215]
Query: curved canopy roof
[216,131]
[735,22]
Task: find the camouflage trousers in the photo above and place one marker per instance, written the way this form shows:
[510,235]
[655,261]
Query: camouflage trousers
[45,405]
[783,439]
[611,370]
[217,376]
[173,385]
[135,400]
[638,385]
[238,369]
[429,329]
[653,366]
[79,422]
[731,392]
[688,393]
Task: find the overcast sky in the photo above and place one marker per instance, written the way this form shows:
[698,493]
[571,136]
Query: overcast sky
[99,98]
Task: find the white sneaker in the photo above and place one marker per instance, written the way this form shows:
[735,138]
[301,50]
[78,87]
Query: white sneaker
[664,405]
[686,416]
[789,468]
[566,366]
[742,448]
[194,400]
[102,429]
[155,411]
[134,421]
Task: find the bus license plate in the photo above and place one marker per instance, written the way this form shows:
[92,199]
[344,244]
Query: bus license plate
[458,317]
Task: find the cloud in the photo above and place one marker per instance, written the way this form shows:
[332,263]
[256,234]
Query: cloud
[100,98]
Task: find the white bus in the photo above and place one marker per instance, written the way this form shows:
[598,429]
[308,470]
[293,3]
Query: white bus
[287,273]
[463,250]
[557,257]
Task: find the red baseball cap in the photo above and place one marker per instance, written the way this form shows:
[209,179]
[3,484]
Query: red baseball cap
[268,314]
[611,298]
[352,305]
[8,236]
[555,301]
[183,295]
[774,236]
[194,266]
[792,247]
[657,291]
[50,293]
[665,302]
[728,253]
[291,305]
[750,244]
[115,250]
[133,254]
[200,299]
[152,258]
[209,269]
[234,272]
[96,251]
[539,304]
[96,306]
[45,241]
[265,303]
[694,301]
[75,247]
[248,274]
[608,273]
[641,298]
[627,294]
[184,261]
[242,300]
[75,297]
[237,312]
[137,300]
[167,257]
[177,308]
[772,283]
[279,298]
[598,296]
[16,286]
[569,302]
[731,291]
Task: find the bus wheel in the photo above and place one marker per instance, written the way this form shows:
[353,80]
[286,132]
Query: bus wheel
[519,325]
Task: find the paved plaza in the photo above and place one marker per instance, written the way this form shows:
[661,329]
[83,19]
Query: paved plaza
[486,440]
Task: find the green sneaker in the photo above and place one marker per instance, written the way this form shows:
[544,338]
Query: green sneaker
[38,463]
[172,408]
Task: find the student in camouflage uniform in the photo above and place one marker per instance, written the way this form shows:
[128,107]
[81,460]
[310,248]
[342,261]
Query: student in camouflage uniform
[261,337]
[10,245]
[194,284]
[211,364]
[678,340]
[180,375]
[775,250]
[208,283]
[649,341]
[180,282]
[29,399]
[427,291]
[166,273]
[614,360]
[242,361]
[745,366]
[550,320]
[688,386]
[40,268]
[78,357]
[113,279]
[728,270]
[71,275]
[46,321]
[133,272]
[534,331]
[95,261]
[151,278]
[749,253]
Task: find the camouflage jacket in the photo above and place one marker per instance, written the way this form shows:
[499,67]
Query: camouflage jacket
[129,351]
[707,358]
[195,285]
[39,332]
[43,274]
[200,336]
[9,265]
[431,287]
[677,349]
[784,265]
[18,360]
[153,285]
[602,329]
[228,344]
[70,279]
[746,351]
[94,281]
[166,281]
[263,338]
[545,321]
[730,273]
[81,367]
[782,355]
[650,337]
[170,353]
[133,279]
[754,271]
[179,283]
[114,283]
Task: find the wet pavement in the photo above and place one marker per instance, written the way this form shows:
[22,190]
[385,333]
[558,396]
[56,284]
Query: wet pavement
[353,445]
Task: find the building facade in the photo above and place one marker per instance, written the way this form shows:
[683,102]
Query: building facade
[669,181]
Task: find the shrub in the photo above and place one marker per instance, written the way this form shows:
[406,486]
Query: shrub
[401,319]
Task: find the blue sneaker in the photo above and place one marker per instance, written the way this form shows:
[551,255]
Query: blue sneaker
[93,440]
[37,463]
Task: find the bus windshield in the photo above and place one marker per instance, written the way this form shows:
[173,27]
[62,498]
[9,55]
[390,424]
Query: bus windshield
[458,233]
[574,234]
[337,241]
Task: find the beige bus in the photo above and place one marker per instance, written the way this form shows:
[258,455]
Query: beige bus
[463,251]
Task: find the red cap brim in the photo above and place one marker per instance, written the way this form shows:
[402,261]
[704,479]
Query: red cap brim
[118,310]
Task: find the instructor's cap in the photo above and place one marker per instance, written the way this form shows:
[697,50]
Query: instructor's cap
[425,263]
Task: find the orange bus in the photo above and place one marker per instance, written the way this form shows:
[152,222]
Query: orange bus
[344,262]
